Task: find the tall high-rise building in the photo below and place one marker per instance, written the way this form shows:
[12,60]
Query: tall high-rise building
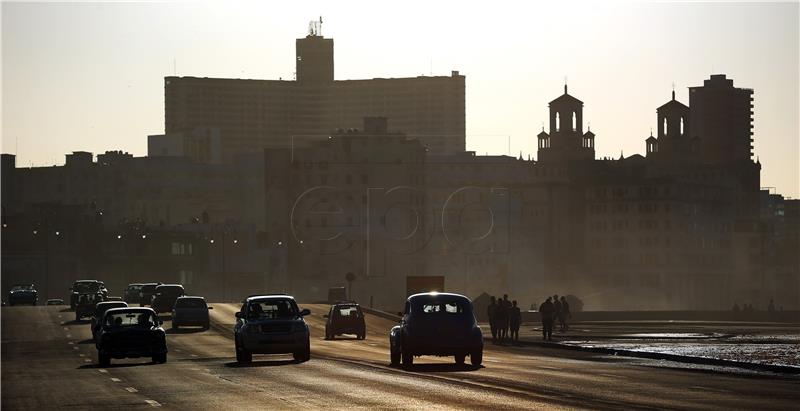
[722,119]
[255,114]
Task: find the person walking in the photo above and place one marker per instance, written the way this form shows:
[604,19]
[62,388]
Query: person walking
[557,306]
[565,314]
[506,316]
[514,321]
[492,312]
[502,321]
[547,311]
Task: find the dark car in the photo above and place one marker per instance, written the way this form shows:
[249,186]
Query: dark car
[85,287]
[23,294]
[345,318]
[271,324]
[87,303]
[440,324]
[131,294]
[100,311]
[165,296]
[190,310]
[131,332]
[147,292]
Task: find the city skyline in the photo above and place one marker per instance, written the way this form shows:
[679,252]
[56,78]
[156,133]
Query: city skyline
[508,66]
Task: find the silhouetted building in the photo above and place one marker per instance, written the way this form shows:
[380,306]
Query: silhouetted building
[255,114]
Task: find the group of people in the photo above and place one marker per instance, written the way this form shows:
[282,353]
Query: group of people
[504,319]
[552,310]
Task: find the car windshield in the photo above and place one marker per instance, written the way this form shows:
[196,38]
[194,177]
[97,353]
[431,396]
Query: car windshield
[275,308]
[149,288]
[86,287]
[190,303]
[169,290]
[446,307]
[22,287]
[134,287]
[348,311]
[130,319]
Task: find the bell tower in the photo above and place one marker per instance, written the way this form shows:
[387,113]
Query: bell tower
[566,140]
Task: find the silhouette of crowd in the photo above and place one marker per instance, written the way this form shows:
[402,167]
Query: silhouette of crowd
[554,309]
[504,319]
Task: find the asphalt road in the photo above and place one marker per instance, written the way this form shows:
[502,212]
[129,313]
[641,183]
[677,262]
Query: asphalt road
[49,362]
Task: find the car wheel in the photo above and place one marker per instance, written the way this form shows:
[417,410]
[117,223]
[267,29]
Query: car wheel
[303,355]
[476,358]
[460,359]
[242,356]
[394,358]
[408,359]
[104,360]
[160,358]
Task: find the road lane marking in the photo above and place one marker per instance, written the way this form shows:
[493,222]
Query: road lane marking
[194,355]
[103,371]
[87,360]
[66,329]
[131,389]
[115,379]
[71,343]
[81,355]
[177,350]
[69,335]
[76,348]
[153,403]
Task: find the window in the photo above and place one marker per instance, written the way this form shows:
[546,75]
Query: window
[451,307]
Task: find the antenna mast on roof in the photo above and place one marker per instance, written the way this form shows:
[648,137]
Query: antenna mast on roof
[315,27]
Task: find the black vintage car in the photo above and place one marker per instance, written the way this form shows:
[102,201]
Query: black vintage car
[131,294]
[23,294]
[100,311]
[131,332]
[165,296]
[271,324]
[86,304]
[85,287]
[345,318]
[440,324]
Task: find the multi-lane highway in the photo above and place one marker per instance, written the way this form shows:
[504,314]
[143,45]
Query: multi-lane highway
[49,362]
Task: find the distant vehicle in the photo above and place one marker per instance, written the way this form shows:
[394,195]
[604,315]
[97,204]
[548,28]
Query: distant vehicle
[190,311]
[131,332]
[345,318]
[147,292]
[86,304]
[131,294]
[23,294]
[165,296]
[55,301]
[337,294]
[440,324]
[100,311]
[83,287]
[271,324]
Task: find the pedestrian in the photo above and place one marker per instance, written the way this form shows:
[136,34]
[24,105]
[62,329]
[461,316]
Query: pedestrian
[502,321]
[514,321]
[565,314]
[492,312]
[557,306]
[736,308]
[506,316]
[771,306]
[546,311]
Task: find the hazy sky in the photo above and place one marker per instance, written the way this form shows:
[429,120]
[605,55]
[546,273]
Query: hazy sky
[89,76]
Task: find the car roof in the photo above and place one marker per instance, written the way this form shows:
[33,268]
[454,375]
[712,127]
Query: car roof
[347,303]
[131,310]
[135,284]
[170,285]
[111,302]
[265,296]
[434,295]
[190,297]
[88,281]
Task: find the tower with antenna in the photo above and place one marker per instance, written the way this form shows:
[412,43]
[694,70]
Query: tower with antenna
[314,56]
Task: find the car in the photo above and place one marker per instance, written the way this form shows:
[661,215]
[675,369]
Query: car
[440,324]
[83,287]
[131,294]
[86,304]
[165,296]
[271,324]
[190,310]
[100,310]
[55,301]
[23,294]
[345,318]
[147,292]
[131,332]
